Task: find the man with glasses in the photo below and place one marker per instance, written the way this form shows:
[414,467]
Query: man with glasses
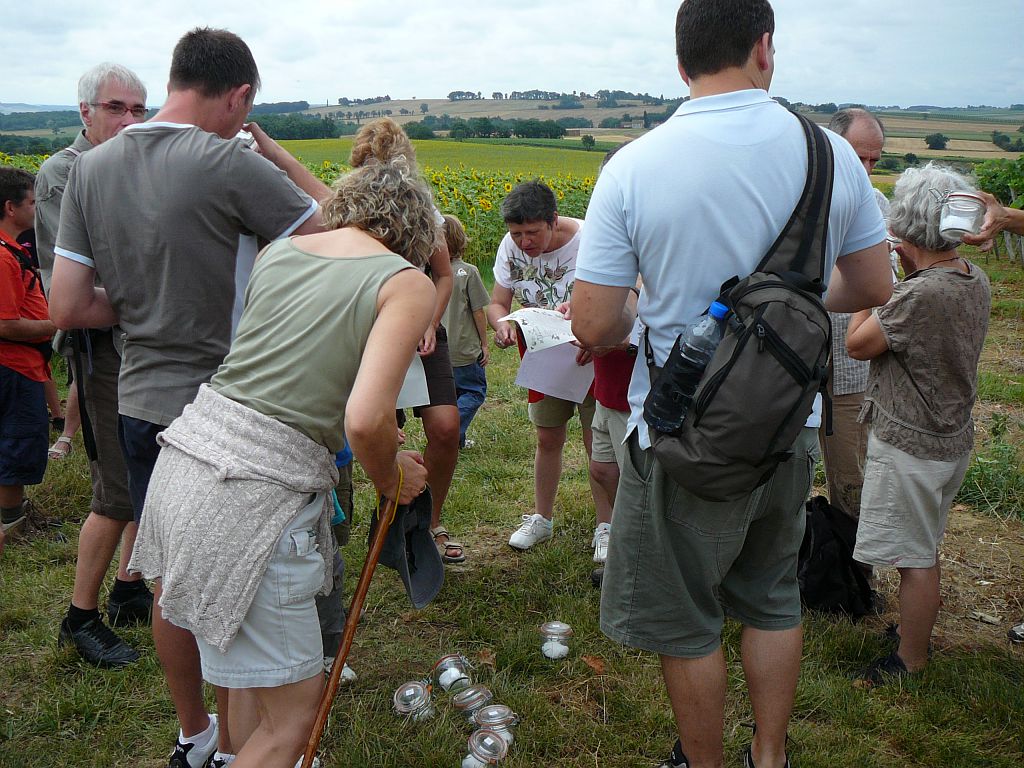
[157,214]
[110,97]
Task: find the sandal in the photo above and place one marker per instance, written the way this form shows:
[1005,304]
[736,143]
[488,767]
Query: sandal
[60,449]
[451,550]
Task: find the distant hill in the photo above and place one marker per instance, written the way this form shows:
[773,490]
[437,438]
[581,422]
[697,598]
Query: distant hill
[7,109]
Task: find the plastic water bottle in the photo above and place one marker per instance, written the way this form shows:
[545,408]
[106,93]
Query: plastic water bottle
[671,395]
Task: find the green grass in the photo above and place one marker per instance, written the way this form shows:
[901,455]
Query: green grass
[965,711]
[489,157]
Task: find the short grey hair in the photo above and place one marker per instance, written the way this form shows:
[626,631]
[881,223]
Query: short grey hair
[95,78]
[917,205]
[844,118]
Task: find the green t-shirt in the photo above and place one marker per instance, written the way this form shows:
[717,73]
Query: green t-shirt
[468,295]
[302,335]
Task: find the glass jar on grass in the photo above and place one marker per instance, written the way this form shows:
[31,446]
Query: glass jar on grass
[452,672]
[555,639]
[471,699]
[497,718]
[412,700]
[486,747]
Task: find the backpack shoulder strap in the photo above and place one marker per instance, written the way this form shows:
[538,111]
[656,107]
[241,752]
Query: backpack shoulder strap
[800,247]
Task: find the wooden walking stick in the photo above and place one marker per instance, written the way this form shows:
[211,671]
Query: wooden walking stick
[384,520]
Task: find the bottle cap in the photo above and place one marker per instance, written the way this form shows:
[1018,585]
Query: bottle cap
[718,310]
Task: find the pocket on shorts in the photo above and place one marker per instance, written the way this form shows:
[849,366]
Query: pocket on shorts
[303,566]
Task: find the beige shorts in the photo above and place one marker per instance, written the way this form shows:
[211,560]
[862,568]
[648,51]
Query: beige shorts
[904,505]
[609,427]
[556,412]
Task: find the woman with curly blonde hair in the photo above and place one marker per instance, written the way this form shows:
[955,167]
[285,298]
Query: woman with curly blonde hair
[380,141]
[236,523]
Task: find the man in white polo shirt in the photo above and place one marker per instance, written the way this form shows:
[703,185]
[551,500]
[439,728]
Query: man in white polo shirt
[694,202]
[158,213]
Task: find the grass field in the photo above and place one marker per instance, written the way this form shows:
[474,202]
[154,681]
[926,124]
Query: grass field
[602,707]
[488,157]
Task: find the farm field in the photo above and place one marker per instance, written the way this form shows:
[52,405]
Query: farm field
[437,154]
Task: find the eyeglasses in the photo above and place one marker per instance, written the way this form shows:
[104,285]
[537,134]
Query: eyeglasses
[117,108]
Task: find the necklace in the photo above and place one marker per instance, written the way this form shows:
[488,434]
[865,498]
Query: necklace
[940,261]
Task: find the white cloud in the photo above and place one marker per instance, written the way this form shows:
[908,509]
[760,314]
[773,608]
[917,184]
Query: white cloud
[952,52]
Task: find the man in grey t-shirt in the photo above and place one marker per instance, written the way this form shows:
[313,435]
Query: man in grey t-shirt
[156,213]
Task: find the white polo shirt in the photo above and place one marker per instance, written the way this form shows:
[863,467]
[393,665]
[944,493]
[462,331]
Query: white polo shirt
[702,198]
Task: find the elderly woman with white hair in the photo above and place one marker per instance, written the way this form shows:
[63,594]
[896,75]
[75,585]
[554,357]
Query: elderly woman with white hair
[924,346]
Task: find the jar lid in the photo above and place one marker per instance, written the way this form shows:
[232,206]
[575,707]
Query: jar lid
[487,746]
[494,715]
[968,195]
[410,697]
[452,660]
[557,629]
[472,698]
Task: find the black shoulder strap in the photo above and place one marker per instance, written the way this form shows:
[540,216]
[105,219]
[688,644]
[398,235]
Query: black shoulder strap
[800,247]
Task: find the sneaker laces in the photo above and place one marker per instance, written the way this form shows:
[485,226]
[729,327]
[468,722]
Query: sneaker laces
[103,634]
[528,522]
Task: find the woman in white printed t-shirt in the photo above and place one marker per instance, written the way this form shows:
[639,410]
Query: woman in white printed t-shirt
[536,265]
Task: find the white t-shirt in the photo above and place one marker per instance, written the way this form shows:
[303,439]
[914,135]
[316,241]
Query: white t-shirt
[700,199]
[545,281]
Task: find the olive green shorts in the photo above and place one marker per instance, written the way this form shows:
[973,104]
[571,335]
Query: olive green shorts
[677,565]
[556,412]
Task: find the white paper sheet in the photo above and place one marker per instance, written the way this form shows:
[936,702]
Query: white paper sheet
[541,328]
[553,371]
[414,388]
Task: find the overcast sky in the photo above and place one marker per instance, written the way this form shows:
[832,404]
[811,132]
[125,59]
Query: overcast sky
[943,52]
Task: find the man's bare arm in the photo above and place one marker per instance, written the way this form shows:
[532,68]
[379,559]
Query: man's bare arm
[602,315]
[860,280]
[75,301]
[23,329]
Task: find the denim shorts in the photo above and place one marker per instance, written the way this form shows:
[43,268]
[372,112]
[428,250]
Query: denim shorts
[279,640]
[904,506]
[677,565]
[24,429]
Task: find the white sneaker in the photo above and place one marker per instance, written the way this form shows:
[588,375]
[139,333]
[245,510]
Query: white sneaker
[535,529]
[316,762]
[600,543]
[348,675]
[189,754]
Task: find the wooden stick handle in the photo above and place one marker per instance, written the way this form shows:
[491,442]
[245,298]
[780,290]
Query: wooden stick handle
[362,586]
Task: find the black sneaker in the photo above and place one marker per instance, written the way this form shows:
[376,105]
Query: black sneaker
[136,609]
[97,644]
[597,577]
[677,759]
[748,759]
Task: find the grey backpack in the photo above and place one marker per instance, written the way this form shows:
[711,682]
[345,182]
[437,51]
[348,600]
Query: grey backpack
[759,386]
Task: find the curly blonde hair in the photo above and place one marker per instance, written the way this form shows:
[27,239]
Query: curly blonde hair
[381,140]
[390,202]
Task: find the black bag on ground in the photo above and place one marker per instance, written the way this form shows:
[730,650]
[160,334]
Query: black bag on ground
[830,579]
[759,387]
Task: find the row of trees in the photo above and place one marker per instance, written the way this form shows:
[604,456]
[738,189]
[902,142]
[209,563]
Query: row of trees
[484,127]
[344,101]
[297,126]
[32,145]
[27,121]
[1005,143]
[605,97]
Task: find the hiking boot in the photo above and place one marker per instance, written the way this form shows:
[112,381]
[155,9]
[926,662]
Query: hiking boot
[535,529]
[190,755]
[97,644]
[135,609]
[600,543]
[677,759]
[1016,633]
[884,670]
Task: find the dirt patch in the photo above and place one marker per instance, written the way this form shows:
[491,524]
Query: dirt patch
[982,561]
